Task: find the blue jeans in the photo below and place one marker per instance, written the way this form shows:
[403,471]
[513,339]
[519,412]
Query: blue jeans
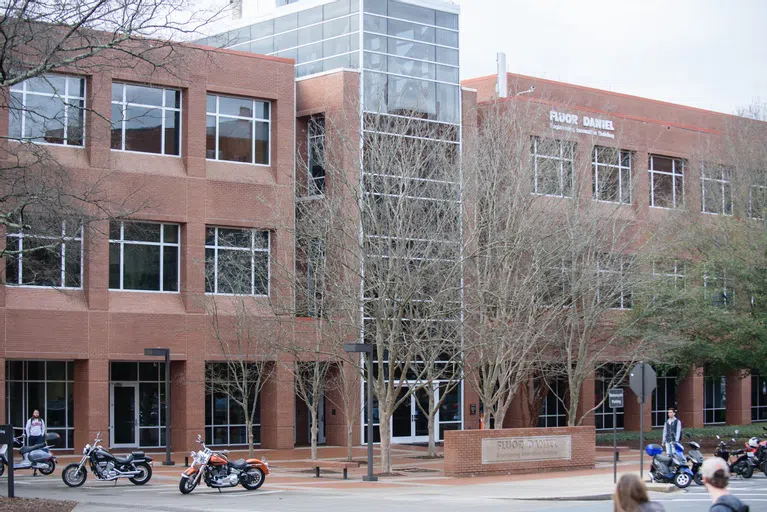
[670,448]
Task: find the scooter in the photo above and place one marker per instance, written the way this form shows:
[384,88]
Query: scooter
[669,468]
[740,466]
[695,457]
[37,456]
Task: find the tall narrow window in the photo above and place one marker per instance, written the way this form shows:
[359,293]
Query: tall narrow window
[45,255]
[48,109]
[757,202]
[715,399]
[236,261]
[611,175]
[718,289]
[716,189]
[666,182]
[553,167]
[238,129]
[613,280]
[146,119]
[316,175]
[144,256]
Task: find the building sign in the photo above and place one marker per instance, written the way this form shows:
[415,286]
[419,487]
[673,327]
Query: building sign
[517,449]
[574,123]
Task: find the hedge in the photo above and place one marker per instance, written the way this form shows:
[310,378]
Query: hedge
[725,431]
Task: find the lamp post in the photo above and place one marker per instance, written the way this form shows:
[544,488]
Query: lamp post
[164,352]
[365,348]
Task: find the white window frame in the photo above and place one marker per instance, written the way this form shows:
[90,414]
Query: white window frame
[124,104]
[162,244]
[315,138]
[713,282]
[626,293]
[22,88]
[712,380]
[751,213]
[252,250]
[677,274]
[596,165]
[675,174]
[64,239]
[253,119]
[725,183]
[561,159]
[558,417]
[227,425]
[659,400]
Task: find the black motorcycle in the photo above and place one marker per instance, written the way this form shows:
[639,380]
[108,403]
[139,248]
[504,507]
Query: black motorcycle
[741,465]
[695,457]
[136,467]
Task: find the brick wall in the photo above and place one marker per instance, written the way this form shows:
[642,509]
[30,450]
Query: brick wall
[463,451]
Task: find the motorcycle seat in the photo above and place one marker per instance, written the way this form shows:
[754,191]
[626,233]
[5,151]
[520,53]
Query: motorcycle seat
[239,464]
[664,458]
[28,449]
[137,455]
[124,460]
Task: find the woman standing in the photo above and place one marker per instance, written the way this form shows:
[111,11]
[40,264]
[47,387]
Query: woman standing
[35,431]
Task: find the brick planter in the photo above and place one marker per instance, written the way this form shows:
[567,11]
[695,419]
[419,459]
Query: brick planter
[518,450]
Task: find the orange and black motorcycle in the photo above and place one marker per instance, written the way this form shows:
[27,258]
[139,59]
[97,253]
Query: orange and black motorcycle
[217,471]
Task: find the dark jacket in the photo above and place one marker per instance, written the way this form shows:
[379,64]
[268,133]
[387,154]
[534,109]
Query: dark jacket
[728,503]
[651,506]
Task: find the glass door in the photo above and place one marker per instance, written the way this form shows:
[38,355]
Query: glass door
[124,417]
[409,424]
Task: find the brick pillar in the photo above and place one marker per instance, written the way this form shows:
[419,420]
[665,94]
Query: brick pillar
[91,398]
[188,400]
[278,402]
[335,413]
[690,399]
[738,398]
[631,410]
[586,401]
[470,421]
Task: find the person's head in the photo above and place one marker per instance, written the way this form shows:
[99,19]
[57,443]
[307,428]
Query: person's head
[715,473]
[671,413]
[35,413]
[629,494]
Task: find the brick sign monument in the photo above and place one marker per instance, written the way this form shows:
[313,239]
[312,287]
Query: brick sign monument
[518,450]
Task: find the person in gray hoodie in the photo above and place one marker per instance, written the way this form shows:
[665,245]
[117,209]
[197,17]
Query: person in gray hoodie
[716,475]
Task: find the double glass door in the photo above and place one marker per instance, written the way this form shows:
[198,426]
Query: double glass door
[409,424]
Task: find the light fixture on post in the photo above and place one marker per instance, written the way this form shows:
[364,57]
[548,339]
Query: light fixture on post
[365,348]
[164,352]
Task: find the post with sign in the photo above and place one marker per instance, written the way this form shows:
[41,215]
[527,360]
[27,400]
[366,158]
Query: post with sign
[643,381]
[615,395]
[6,436]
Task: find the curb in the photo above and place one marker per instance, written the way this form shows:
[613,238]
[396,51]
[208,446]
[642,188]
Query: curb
[655,487]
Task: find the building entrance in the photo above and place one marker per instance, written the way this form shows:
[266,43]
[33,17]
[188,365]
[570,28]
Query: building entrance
[136,405]
[124,415]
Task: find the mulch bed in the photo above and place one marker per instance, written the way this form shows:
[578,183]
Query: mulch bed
[35,505]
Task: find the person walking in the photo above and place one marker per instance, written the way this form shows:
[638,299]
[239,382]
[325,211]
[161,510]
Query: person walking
[716,475]
[631,496]
[35,431]
[672,431]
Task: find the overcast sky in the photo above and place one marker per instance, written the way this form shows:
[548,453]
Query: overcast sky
[710,54]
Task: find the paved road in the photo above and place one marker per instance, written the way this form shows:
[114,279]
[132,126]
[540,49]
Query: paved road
[162,495]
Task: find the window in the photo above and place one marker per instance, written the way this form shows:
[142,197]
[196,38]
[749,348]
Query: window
[46,257]
[316,185]
[715,400]
[146,119]
[603,415]
[47,386]
[666,182]
[224,417]
[553,167]
[663,398]
[150,380]
[612,175]
[718,289]
[238,129]
[671,272]
[143,256]
[716,189]
[757,201]
[556,283]
[236,261]
[613,285]
[758,397]
[315,277]
[553,411]
[48,109]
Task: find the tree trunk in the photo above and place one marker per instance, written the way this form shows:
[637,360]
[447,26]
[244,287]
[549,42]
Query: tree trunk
[349,440]
[314,431]
[385,443]
[432,413]
[499,417]
[572,414]
[249,428]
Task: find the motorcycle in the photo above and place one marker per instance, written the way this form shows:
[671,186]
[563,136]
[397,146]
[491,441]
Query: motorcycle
[37,456]
[136,467]
[761,454]
[217,471]
[669,468]
[741,465]
[695,457]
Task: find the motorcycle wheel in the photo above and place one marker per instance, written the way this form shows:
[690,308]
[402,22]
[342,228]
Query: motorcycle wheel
[682,480]
[253,479]
[73,476]
[50,468]
[698,478]
[144,476]
[748,471]
[763,467]
[2,468]
[187,484]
